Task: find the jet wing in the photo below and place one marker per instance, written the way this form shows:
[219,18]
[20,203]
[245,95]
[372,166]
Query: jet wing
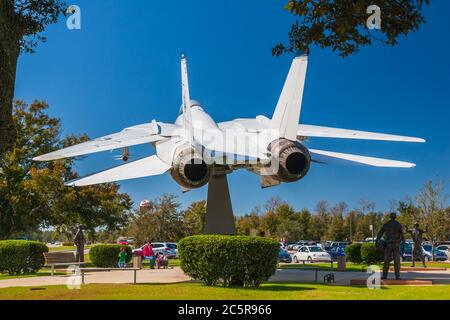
[328,157]
[140,134]
[145,167]
[305,130]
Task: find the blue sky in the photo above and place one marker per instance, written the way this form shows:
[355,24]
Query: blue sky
[122,69]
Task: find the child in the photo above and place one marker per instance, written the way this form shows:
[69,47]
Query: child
[162,260]
[122,257]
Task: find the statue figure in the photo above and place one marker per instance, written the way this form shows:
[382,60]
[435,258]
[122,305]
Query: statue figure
[79,243]
[417,251]
[393,235]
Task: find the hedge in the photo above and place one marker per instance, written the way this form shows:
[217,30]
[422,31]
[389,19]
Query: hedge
[353,252]
[107,255]
[21,256]
[371,254]
[231,260]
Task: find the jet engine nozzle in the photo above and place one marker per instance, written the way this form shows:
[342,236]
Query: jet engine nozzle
[290,160]
[190,169]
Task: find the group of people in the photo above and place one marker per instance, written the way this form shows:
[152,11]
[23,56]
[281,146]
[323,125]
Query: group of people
[393,235]
[147,254]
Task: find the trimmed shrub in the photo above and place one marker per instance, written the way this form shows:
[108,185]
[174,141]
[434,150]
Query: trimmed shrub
[371,254]
[232,260]
[107,255]
[68,244]
[353,252]
[36,258]
[21,256]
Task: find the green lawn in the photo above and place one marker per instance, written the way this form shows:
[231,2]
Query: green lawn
[41,273]
[65,248]
[172,263]
[191,291]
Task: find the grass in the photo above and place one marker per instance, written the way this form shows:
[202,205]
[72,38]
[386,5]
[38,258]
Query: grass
[172,263]
[325,266]
[65,248]
[40,273]
[192,291]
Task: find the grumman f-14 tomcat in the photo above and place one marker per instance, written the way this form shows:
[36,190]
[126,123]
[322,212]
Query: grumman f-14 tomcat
[196,150]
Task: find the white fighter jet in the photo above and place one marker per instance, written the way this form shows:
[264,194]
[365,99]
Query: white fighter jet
[196,150]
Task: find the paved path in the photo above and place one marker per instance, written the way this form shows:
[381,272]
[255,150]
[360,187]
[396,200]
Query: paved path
[143,276]
[176,275]
[297,275]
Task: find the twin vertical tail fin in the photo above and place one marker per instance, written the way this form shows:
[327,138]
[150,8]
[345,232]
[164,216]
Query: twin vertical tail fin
[287,113]
[186,102]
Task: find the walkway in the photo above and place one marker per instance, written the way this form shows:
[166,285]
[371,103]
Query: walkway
[176,275]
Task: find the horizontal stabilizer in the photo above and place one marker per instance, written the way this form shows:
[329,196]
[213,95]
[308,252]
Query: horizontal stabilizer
[145,167]
[141,134]
[327,157]
[305,130]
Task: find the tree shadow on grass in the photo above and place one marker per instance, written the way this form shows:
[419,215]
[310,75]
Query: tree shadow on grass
[283,287]
[265,287]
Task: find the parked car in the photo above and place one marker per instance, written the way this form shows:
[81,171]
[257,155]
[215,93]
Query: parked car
[334,252]
[284,256]
[445,248]
[426,249]
[163,247]
[122,241]
[174,247]
[290,245]
[299,244]
[311,254]
[438,254]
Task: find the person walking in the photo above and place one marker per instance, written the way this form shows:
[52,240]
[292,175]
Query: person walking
[122,258]
[393,236]
[149,254]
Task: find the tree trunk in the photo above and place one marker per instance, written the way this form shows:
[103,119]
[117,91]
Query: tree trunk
[10,37]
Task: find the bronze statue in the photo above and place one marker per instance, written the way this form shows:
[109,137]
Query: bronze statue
[79,242]
[417,251]
[393,235]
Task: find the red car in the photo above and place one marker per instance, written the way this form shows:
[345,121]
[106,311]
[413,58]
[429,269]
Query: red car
[122,241]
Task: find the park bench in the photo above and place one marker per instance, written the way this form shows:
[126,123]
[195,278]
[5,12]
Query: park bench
[62,258]
[85,270]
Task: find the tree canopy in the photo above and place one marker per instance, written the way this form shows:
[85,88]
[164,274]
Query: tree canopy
[21,24]
[33,195]
[341,24]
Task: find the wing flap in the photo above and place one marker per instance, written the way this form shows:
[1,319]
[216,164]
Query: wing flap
[322,156]
[305,130]
[141,134]
[150,166]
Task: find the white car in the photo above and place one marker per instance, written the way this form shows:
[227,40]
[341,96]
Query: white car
[445,248]
[168,248]
[311,254]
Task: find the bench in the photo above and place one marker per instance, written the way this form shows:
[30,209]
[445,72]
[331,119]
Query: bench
[85,270]
[305,261]
[63,258]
